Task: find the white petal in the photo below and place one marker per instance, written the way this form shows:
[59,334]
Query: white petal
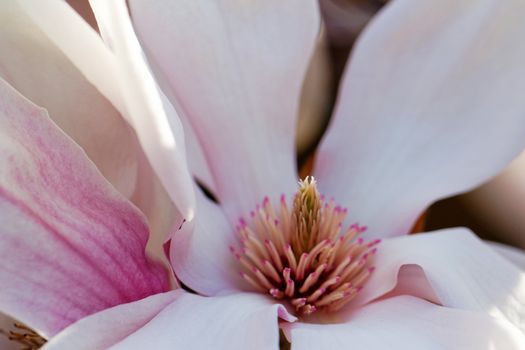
[512,254]
[235,70]
[463,272]
[410,324]
[236,322]
[431,105]
[200,254]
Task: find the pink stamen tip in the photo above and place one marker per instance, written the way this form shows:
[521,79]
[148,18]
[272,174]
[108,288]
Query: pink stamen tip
[276,222]
[371,269]
[290,281]
[345,210]
[337,279]
[283,198]
[287,270]
[373,251]
[232,249]
[363,228]
[360,240]
[252,214]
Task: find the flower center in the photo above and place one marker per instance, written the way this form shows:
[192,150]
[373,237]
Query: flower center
[24,336]
[304,255]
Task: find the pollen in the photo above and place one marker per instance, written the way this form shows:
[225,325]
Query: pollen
[302,254]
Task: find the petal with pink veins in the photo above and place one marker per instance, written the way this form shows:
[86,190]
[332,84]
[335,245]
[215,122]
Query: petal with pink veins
[461,270]
[408,323]
[237,322]
[108,327]
[33,65]
[235,70]
[431,105]
[71,245]
[54,69]
[127,82]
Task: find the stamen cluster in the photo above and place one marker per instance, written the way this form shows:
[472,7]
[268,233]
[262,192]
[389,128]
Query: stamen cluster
[27,338]
[303,255]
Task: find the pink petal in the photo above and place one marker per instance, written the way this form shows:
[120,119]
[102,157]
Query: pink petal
[235,70]
[108,327]
[463,272]
[55,70]
[71,244]
[408,323]
[236,322]
[131,89]
[33,65]
[431,105]
[200,251]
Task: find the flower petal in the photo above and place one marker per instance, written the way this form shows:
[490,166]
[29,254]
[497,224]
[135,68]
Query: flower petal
[156,122]
[512,254]
[430,106]
[106,328]
[54,69]
[463,272]
[70,244]
[200,254]
[33,65]
[235,70]
[127,82]
[237,322]
[411,324]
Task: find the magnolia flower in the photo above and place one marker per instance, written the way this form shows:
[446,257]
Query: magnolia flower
[414,115]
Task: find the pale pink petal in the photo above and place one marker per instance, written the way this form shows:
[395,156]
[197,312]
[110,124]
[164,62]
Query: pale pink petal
[463,272]
[431,105]
[33,65]
[138,97]
[235,70]
[408,323]
[512,254]
[106,328]
[70,244]
[49,74]
[236,322]
[200,251]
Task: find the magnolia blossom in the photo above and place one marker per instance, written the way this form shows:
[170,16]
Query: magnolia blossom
[426,109]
